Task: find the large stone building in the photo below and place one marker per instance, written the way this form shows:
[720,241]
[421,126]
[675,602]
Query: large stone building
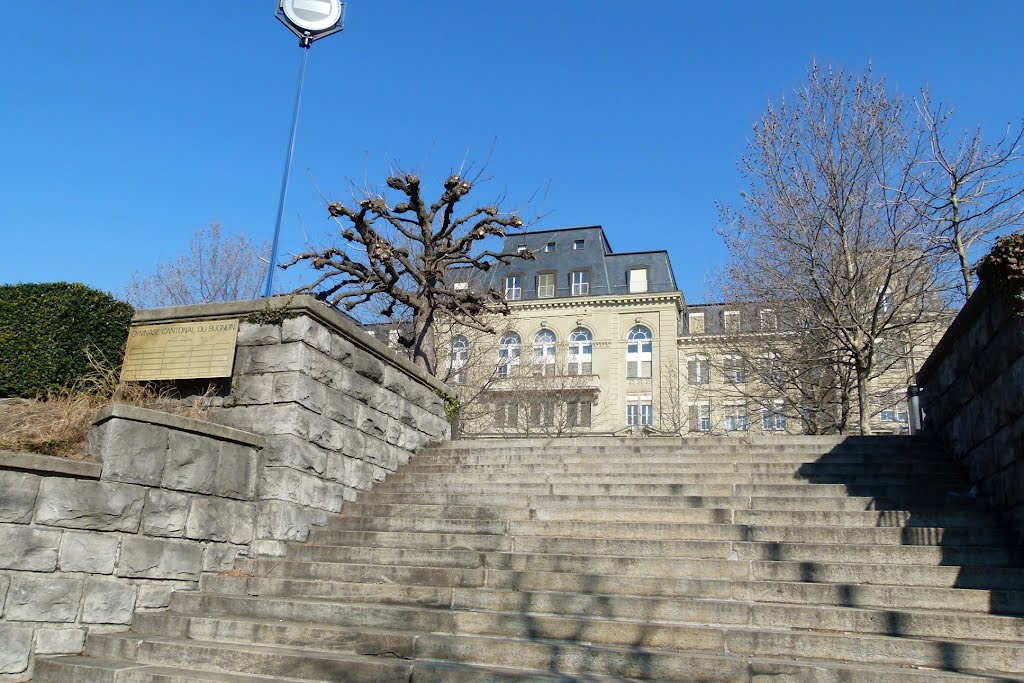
[604,342]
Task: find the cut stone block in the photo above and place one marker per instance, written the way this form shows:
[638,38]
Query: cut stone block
[44,598]
[108,602]
[28,548]
[83,504]
[91,552]
[153,558]
[17,496]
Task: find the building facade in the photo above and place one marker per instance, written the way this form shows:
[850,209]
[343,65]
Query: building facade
[605,342]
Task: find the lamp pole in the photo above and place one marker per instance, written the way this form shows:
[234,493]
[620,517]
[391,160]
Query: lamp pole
[309,20]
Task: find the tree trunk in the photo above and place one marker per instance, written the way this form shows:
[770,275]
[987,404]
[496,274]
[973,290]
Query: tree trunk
[423,322]
[863,401]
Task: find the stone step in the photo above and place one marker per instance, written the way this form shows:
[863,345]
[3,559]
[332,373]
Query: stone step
[709,626]
[659,514]
[420,585]
[805,469]
[99,670]
[1001,584]
[637,477]
[980,556]
[927,505]
[897,491]
[543,535]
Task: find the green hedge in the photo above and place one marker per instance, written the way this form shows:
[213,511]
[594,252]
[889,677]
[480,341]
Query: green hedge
[45,330]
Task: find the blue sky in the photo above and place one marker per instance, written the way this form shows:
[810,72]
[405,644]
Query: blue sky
[127,126]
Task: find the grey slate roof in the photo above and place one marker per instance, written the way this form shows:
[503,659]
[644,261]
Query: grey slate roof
[608,271]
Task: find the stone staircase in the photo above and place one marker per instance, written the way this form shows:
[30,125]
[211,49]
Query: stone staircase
[786,559]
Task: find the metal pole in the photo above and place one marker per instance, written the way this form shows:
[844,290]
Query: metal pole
[268,288]
[914,408]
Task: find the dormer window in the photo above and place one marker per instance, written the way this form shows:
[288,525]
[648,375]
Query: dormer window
[577,245]
[637,280]
[731,320]
[697,323]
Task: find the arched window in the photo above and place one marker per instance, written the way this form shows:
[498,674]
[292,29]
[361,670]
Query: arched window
[458,358]
[581,346]
[639,352]
[544,353]
[508,354]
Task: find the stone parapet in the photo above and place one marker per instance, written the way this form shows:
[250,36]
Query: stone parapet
[972,395]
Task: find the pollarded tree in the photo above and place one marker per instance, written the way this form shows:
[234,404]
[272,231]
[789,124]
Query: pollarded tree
[828,228]
[422,261]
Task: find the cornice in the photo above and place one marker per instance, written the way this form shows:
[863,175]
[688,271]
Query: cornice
[618,300]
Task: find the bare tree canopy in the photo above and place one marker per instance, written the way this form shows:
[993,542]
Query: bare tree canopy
[828,229]
[216,267]
[418,258]
[972,192]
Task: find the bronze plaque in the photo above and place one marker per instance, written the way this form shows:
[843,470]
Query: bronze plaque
[191,349]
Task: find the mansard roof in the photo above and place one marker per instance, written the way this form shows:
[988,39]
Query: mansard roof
[563,251]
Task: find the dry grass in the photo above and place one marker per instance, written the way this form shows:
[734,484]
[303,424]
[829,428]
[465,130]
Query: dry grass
[56,424]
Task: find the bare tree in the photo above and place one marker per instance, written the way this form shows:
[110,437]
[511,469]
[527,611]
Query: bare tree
[972,191]
[216,267]
[828,226]
[406,253]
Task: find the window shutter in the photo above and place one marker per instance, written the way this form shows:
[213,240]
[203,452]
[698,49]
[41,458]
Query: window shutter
[587,410]
[499,415]
[570,413]
[513,415]
[645,368]
[631,368]
[705,373]
[588,368]
[691,371]
[573,369]
[694,421]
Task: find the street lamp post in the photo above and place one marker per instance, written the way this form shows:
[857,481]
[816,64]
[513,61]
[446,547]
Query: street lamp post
[309,20]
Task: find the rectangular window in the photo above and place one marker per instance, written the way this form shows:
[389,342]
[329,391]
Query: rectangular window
[638,280]
[732,322]
[768,320]
[697,323]
[461,286]
[542,414]
[774,419]
[577,245]
[700,417]
[735,369]
[639,411]
[736,417]
[507,415]
[699,371]
[580,283]
[546,285]
[514,288]
[550,246]
[578,413]
[521,248]
[393,339]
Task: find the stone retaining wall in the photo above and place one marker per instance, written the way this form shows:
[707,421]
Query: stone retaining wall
[339,409]
[972,395]
[83,545]
[315,412]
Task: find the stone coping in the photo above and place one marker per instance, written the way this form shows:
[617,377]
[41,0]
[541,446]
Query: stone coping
[972,310]
[186,424]
[298,303]
[49,465]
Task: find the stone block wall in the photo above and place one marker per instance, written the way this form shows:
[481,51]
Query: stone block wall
[339,409]
[972,395]
[83,545]
[316,411]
